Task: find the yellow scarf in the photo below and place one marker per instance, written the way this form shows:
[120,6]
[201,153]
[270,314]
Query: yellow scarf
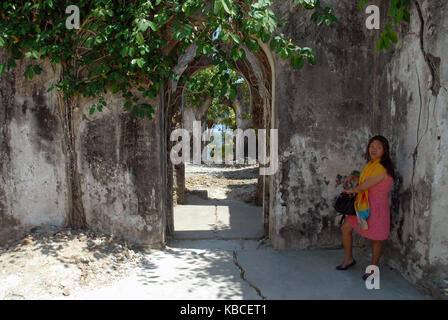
[362,207]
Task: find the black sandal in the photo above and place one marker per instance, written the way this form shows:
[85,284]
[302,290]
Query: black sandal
[340,267]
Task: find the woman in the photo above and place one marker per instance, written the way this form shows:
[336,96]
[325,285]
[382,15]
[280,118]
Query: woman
[373,185]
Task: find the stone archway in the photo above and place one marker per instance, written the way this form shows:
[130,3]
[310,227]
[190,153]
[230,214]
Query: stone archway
[257,72]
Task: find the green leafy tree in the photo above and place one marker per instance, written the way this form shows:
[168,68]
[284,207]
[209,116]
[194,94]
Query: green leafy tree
[207,83]
[122,44]
[222,116]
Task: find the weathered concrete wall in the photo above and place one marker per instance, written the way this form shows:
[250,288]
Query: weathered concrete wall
[118,157]
[324,115]
[119,162]
[411,103]
[327,113]
[32,165]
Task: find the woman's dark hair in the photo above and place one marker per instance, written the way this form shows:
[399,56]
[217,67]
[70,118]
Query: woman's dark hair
[386,161]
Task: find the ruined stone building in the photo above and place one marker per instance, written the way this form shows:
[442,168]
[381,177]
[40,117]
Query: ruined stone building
[325,115]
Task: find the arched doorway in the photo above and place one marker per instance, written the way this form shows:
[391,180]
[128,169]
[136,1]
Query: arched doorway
[257,70]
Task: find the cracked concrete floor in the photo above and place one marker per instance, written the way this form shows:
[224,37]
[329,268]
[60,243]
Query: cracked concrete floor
[181,271]
[249,270]
[216,255]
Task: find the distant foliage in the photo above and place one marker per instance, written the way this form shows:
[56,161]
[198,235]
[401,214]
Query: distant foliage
[222,115]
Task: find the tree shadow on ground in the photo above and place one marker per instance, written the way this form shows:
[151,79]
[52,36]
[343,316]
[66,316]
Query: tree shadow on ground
[202,273]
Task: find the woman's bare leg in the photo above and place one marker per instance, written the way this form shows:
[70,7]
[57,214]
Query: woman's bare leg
[376,251]
[347,231]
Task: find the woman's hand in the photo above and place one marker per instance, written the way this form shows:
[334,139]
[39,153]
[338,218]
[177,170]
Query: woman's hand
[366,184]
[349,179]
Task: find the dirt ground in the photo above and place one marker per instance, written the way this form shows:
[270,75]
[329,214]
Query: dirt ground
[52,262]
[223,182]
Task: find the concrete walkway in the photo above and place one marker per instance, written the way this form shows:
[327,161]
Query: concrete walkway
[244,269]
[217,219]
[207,261]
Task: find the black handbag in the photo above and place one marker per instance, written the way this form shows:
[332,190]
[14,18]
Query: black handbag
[345,204]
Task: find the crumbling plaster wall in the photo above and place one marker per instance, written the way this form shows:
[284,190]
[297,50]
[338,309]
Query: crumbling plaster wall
[32,163]
[324,124]
[119,164]
[411,103]
[327,113]
[118,157]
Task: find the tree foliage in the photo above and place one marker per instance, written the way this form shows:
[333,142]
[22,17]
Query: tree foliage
[127,44]
[220,115]
[221,118]
[398,12]
[207,83]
